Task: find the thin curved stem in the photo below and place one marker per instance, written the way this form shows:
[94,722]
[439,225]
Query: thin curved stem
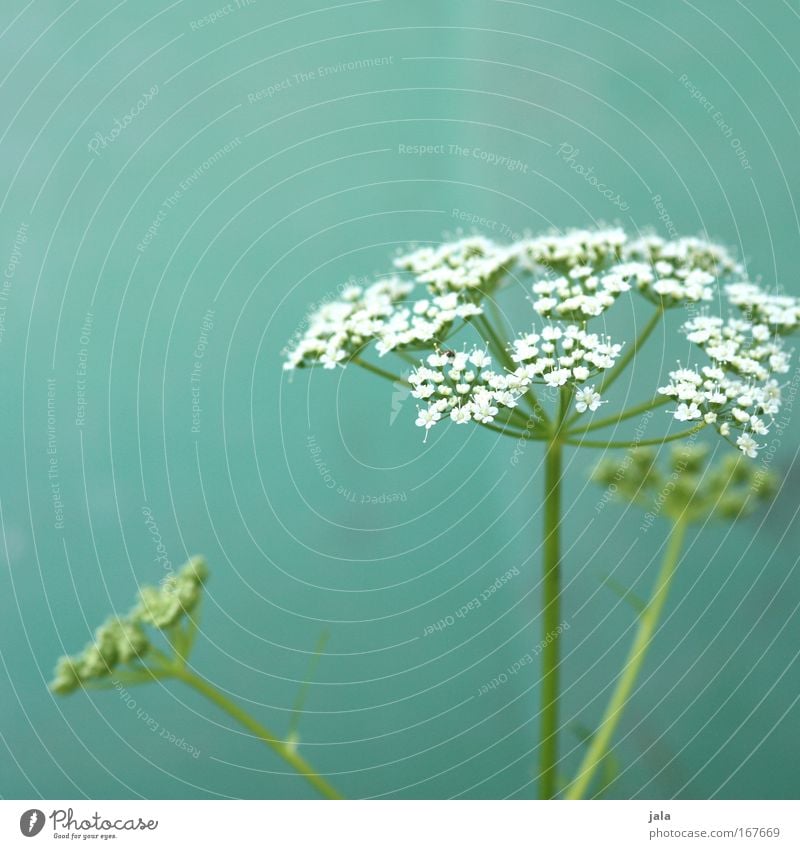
[404,355]
[296,761]
[395,378]
[516,434]
[627,414]
[494,341]
[648,623]
[482,322]
[144,675]
[622,362]
[596,443]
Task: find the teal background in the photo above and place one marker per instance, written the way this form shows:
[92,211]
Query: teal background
[318,191]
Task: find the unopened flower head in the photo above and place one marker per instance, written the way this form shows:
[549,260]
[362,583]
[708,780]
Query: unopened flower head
[123,640]
[691,485]
[164,605]
[116,642]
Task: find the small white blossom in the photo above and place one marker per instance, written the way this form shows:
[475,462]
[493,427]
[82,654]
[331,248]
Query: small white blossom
[460,415]
[747,445]
[480,359]
[587,399]
[427,418]
[687,412]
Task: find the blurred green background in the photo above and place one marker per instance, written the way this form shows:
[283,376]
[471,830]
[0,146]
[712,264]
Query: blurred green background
[269,163]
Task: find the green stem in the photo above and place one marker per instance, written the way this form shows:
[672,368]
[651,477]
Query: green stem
[597,443]
[648,622]
[412,361]
[496,316]
[494,341]
[515,434]
[482,323]
[296,761]
[623,361]
[143,675]
[627,414]
[551,613]
[395,378]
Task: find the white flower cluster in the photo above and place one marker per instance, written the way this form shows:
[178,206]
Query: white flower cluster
[559,355]
[749,350]
[339,330]
[562,252]
[427,321]
[461,385]
[596,266]
[683,255]
[471,263]
[666,283]
[579,296]
[781,312]
[577,276]
[738,391]
[671,272]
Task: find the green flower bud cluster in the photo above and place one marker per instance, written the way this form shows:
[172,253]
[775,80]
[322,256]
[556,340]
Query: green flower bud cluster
[689,485]
[123,640]
[163,606]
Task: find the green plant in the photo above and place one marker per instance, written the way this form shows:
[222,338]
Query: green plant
[124,652]
[545,382]
[688,491]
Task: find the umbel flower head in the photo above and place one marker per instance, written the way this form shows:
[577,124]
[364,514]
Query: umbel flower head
[733,385]
[689,486]
[123,640]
